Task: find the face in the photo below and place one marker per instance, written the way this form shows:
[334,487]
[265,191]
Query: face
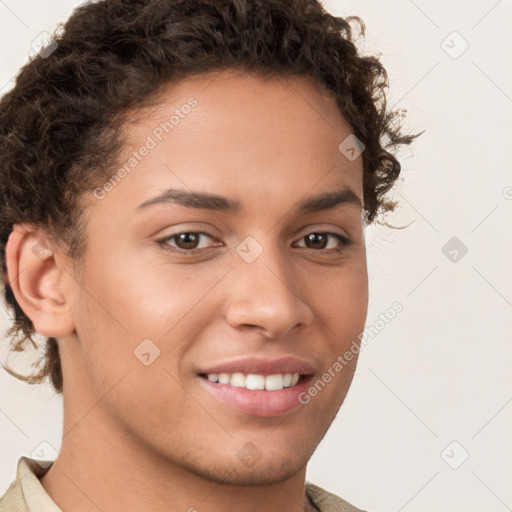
[213,257]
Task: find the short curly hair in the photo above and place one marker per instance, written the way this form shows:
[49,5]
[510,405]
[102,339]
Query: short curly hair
[60,126]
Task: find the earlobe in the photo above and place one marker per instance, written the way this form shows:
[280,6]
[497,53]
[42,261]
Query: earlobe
[36,280]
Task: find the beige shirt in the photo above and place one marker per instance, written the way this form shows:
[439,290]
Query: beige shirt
[26,494]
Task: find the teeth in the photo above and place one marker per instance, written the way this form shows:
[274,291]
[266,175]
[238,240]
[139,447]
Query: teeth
[274,382]
[254,381]
[224,378]
[238,380]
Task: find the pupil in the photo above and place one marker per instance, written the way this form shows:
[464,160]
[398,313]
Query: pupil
[314,238]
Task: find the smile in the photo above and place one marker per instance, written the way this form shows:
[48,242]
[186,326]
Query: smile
[254,381]
[257,395]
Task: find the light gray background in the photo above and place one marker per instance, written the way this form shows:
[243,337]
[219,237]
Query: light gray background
[440,371]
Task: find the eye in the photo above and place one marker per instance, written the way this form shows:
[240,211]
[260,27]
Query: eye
[190,242]
[320,241]
[187,241]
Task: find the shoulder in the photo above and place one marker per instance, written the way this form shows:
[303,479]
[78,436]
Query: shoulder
[13,499]
[326,501]
[26,493]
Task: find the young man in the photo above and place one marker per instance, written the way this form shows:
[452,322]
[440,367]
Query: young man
[184,191]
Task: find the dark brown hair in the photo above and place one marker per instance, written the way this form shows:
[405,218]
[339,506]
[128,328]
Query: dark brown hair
[60,126]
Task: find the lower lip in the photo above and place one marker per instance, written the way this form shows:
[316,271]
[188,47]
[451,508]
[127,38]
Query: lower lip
[259,402]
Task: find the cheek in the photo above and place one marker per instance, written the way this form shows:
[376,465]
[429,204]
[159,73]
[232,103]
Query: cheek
[127,303]
[341,299]
[134,296]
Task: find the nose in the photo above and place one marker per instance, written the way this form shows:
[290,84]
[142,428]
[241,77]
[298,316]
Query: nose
[265,295]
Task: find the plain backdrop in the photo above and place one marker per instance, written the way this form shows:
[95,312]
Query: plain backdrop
[426,425]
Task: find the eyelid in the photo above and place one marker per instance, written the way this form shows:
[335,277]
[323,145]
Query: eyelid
[326,229]
[164,241]
[344,240]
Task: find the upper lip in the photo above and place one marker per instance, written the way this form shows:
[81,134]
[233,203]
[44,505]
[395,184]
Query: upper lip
[262,366]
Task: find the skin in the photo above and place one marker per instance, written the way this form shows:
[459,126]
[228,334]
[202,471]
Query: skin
[142,437]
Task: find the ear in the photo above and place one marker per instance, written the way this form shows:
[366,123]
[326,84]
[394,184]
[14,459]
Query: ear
[37,280]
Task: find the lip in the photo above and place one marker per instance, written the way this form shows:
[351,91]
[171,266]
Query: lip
[260,403]
[262,366]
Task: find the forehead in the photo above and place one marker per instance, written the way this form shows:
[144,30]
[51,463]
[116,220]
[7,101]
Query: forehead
[238,132]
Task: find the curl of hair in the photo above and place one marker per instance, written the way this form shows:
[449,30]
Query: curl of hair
[60,126]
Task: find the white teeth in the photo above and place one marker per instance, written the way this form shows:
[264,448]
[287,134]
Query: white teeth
[255,381]
[238,380]
[224,378]
[274,382]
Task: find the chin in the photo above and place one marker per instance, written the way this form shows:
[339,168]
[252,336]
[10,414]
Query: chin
[262,469]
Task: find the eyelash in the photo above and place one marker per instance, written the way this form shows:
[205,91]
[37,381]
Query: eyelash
[345,242]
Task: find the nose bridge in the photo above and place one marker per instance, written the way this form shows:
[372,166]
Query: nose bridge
[264,292]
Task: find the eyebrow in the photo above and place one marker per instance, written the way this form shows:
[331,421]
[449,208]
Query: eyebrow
[320,202]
